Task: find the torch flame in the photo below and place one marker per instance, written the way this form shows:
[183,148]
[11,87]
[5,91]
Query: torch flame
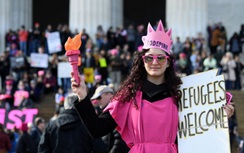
[73,44]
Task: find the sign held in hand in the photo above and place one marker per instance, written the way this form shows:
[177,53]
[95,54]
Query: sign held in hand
[203,122]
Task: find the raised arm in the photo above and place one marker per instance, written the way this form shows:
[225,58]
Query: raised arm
[97,126]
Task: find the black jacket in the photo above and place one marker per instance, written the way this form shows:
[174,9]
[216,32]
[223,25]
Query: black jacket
[114,141]
[68,134]
[25,144]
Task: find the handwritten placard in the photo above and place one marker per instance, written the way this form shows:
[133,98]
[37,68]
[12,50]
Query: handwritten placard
[54,42]
[64,70]
[39,60]
[203,123]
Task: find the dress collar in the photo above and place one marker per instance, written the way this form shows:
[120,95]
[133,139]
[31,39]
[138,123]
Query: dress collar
[152,89]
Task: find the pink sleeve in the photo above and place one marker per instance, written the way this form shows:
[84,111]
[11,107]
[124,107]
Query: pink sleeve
[120,113]
[26,94]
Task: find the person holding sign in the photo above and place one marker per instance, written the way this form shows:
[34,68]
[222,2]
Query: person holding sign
[144,110]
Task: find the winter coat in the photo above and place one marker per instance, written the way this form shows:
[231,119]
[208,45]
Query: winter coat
[68,134]
[229,69]
[26,144]
[5,144]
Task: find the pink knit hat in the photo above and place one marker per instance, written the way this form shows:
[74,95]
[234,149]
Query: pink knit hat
[114,51]
[9,82]
[157,39]
[41,73]
[98,77]
[182,55]
[24,127]
[139,48]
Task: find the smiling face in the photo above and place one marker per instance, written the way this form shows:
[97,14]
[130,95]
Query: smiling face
[155,68]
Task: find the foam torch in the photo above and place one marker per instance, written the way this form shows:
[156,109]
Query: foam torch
[72,51]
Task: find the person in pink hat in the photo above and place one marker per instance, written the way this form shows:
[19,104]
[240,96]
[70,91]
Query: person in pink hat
[25,142]
[144,109]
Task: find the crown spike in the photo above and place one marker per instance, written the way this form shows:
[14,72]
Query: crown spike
[169,32]
[149,28]
[160,26]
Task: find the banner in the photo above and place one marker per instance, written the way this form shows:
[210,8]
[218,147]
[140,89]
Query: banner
[203,123]
[64,70]
[39,60]
[54,42]
[15,118]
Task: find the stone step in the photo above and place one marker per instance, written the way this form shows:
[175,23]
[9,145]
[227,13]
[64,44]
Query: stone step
[46,106]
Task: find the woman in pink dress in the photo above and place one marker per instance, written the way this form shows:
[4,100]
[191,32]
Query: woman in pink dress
[144,109]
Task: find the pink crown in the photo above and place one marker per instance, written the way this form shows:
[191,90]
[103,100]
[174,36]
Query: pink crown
[157,39]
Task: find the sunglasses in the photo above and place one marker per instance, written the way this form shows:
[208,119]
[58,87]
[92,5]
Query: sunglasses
[159,58]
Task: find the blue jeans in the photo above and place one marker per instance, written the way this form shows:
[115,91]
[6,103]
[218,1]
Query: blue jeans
[23,47]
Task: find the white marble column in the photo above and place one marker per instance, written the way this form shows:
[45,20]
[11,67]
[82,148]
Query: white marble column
[117,13]
[13,14]
[186,18]
[90,14]
[4,15]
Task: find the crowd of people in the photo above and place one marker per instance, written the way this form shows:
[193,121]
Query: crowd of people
[108,59]
[24,139]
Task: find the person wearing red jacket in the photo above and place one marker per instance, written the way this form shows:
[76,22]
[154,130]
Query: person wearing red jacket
[5,143]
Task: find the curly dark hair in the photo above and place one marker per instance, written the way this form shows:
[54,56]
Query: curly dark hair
[133,82]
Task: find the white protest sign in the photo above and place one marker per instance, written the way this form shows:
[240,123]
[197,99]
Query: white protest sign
[39,60]
[203,123]
[64,70]
[54,42]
